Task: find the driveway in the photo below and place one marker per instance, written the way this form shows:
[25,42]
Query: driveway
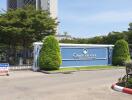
[83,85]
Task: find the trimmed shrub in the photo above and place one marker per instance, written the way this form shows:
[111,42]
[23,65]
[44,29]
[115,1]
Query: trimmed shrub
[121,53]
[50,57]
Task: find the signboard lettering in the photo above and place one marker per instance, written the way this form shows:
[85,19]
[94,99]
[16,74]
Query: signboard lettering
[84,55]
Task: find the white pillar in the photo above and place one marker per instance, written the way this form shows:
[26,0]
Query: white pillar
[37,4]
[35,63]
[37,48]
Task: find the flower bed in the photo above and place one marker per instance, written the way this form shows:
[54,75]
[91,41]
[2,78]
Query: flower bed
[125,84]
[120,88]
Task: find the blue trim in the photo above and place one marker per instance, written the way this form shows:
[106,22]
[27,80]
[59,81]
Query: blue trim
[4,64]
[83,59]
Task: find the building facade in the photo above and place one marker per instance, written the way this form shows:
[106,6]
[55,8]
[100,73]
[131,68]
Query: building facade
[50,5]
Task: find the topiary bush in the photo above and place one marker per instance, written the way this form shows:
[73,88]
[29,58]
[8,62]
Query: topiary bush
[50,57]
[121,53]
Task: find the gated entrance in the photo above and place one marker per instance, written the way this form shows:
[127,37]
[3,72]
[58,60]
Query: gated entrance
[74,55]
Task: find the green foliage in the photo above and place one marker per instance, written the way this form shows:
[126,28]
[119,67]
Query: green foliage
[124,82]
[129,83]
[114,36]
[129,33]
[94,40]
[110,39]
[25,25]
[50,57]
[120,53]
[22,27]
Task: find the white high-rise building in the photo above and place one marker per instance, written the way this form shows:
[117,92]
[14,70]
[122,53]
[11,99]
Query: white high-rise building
[50,5]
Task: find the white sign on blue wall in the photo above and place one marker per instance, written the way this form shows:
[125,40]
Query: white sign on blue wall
[80,54]
[84,55]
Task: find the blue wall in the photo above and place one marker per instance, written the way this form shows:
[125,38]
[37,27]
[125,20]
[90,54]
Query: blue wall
[79,56]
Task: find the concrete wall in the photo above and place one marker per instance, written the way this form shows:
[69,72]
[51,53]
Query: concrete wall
[74,55]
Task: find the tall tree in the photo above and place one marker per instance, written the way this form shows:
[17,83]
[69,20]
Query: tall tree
[26,25]
[22,27]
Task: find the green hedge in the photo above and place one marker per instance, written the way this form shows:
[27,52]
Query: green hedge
[120,53]
[50,57]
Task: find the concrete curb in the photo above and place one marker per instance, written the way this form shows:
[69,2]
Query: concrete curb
[67,72]
[48,72]
[121,89]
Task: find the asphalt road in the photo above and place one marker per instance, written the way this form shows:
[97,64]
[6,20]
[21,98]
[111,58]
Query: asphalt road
[84,85]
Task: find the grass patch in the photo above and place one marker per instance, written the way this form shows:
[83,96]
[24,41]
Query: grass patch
[87,68]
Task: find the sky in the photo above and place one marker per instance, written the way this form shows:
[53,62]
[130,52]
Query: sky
[89,18]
